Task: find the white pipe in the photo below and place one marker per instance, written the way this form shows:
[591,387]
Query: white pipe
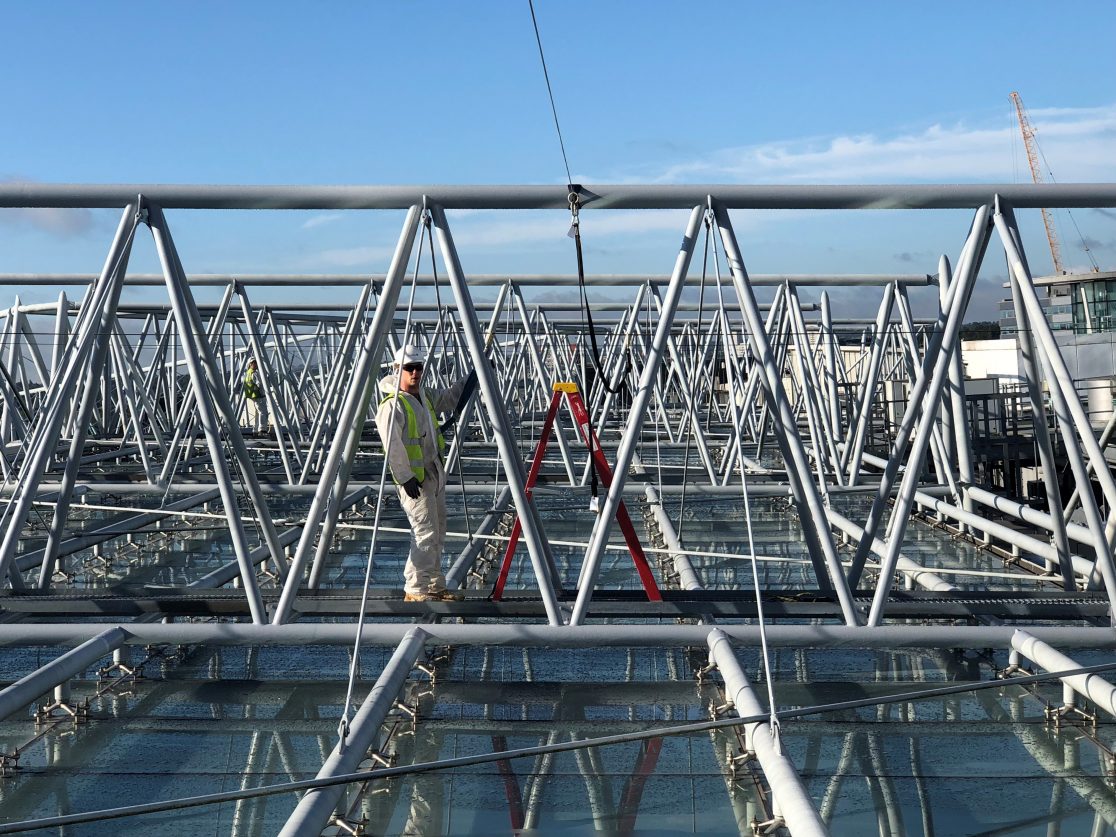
[554,636]
[59,671]
[315,808]
[915,572]
[791,801]
[1092,686]
[688,578]
[1043,549]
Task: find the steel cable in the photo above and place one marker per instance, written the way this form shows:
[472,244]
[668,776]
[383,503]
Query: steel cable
[738,421]
[566,746]
[354,665]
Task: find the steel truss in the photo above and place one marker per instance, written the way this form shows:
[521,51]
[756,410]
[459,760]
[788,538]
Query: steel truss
[120,431]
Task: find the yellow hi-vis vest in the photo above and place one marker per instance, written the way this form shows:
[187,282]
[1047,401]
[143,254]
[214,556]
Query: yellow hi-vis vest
[412,440]
[251,387]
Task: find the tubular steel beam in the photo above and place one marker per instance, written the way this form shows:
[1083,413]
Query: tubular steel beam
[335,473]
[72,663]
[790,798]
[630,435]
[1090,686]
[561,636]
[823,552]
[600,196]
[90,331]
[317,806]
[211,401]
[545,280]
[542,562]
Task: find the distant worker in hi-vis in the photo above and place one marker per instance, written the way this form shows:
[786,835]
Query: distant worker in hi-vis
[255,403]
[413,441]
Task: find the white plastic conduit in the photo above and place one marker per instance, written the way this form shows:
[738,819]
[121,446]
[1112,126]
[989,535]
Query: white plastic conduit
[791,801]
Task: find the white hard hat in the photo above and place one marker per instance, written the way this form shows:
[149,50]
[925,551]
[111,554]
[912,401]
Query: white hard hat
[409,354]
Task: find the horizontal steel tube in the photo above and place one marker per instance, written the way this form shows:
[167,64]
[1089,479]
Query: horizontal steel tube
[424,281]
[72,663]
[1081,566]
[559,636]
[1043,549]
[46,489]
[1075,531]
[611,196]
[916,572]
[115,530]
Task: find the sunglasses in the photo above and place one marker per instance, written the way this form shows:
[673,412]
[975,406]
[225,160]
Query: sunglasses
[412,367]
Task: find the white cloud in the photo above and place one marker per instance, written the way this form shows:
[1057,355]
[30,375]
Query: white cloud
[321,220]
[1076,142]
[64,223]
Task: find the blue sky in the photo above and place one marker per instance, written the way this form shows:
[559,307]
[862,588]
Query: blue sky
[648,92]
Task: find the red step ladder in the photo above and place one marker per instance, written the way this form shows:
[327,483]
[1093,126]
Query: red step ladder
[604,473]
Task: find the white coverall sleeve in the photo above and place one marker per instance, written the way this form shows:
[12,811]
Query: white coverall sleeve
[392,437]
[446,400]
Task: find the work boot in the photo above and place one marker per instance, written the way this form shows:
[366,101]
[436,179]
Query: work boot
[448,596]
[419,597]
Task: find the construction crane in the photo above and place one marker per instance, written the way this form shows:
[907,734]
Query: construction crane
[1036,175]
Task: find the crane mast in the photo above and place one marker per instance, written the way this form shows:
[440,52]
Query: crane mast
[1036,175]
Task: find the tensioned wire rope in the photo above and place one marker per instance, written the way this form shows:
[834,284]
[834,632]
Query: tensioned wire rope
[425,236]
[446,320]
[559,747]
[712,225]
[694,381]
[777,559]
[575,233]
[496,366]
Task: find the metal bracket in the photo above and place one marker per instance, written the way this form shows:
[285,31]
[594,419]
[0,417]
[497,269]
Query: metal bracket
[721,710]
[739,763]
[60,710]
[381,759]
[9,762]
[408,710]
[767,827]
[340,825]
[701,671]
[119,671]
[1056,716]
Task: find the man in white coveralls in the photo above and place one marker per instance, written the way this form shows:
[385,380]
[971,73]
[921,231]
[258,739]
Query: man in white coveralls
[414,445]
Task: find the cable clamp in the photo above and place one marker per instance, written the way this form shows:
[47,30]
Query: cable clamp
[574,199]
